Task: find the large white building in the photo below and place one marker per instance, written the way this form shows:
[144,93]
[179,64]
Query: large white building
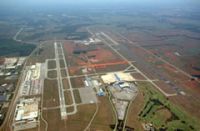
[110,78]
[26,114]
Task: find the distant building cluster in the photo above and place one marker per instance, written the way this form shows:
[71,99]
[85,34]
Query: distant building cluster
[9,70]
[27,110]
[32,83]
[91,40]
[6,92]
[9,66]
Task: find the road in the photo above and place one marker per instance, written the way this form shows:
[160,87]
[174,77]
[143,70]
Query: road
[16,35]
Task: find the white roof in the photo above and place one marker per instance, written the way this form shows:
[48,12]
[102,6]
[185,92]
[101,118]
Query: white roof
[27,109]
[110,77]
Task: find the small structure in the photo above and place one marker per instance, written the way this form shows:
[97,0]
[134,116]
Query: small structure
[148,127]
[21,61]
[100,92]
[3,98]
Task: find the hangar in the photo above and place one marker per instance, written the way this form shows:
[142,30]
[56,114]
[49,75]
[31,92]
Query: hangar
[110,78]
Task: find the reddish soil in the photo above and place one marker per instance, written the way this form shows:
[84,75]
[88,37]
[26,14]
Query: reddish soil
[77,82]
[102,55]
[138,76]
[69,47]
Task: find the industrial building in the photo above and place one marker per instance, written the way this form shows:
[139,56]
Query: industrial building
[91,40]
[32,82]
[26,114]
[93,82]
[10,65]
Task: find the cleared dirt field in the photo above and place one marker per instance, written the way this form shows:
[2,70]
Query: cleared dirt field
[94,54]
[33,129]
[51,97]
[165,87]
[75,71]
[137,76]
[111,68]
[77,82]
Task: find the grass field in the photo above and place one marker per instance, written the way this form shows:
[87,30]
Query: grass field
[80,120]
[68,98]
[63,73]
[65,83]
[51,97]
[77,82]
[77,96]
[62,64]
[135,108]
[159,111]
[52,74]
[105,116]
[52,64]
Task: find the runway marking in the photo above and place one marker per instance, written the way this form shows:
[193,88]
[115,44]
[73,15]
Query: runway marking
[60,85]
[130,63]
[159,58]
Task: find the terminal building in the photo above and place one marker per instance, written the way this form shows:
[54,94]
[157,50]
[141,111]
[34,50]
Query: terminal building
[123,90]
[117,77]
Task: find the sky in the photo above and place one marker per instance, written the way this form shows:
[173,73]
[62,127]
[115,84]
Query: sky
[90,3]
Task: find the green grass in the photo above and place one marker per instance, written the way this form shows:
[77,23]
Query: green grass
[77,96]
[184,121]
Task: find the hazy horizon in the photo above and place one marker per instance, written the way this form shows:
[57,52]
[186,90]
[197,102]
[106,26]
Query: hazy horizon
[49,2]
